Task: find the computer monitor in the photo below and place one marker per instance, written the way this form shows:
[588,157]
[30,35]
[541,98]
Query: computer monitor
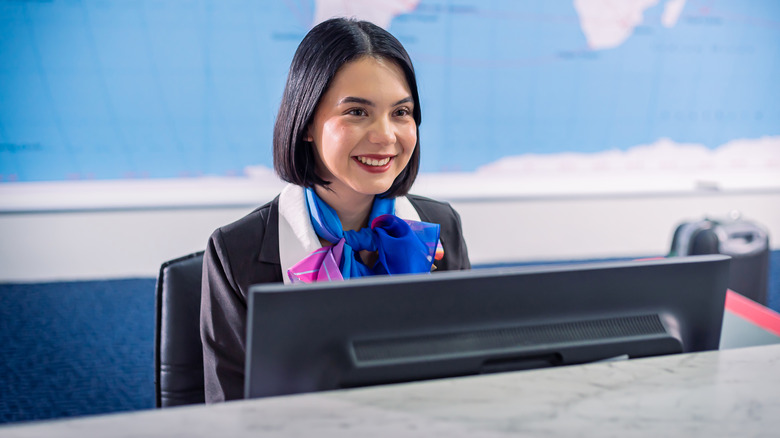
[389,329]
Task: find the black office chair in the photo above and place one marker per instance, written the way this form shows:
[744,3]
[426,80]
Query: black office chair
[178,351]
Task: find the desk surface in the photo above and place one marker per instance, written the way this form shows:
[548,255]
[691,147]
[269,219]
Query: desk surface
[723,393]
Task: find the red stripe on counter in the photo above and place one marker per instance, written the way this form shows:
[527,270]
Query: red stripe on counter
[759,315]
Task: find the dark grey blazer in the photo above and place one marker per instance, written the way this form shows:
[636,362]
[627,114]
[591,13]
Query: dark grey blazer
[245,253]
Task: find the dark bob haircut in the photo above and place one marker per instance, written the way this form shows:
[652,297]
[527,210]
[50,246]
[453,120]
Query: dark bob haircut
[323,51]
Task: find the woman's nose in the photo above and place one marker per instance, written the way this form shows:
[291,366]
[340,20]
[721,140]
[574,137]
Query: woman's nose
[382,131]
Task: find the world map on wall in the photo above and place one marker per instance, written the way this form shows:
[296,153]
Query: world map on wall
[187,88]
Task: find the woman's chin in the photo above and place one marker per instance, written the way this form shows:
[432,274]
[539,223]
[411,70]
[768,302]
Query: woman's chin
[373,188]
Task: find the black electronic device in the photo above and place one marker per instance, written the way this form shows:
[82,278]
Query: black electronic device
[388,329]
[746,242]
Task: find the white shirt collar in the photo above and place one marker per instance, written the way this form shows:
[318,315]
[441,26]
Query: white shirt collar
[297,238]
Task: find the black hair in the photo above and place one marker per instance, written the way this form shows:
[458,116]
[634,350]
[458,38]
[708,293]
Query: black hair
[323,51]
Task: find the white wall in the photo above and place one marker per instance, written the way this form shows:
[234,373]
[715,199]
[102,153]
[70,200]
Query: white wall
[599,227]
[89,242]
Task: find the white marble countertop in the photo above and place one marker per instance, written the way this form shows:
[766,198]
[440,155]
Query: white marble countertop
[729,393]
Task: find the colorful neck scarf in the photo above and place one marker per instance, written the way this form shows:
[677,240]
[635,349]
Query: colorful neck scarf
[403,247]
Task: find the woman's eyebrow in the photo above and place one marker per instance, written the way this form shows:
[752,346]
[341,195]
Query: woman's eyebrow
[359,100]
[362,101]
[404,100]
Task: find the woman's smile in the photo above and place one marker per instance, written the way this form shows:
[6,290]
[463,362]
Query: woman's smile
[374,163]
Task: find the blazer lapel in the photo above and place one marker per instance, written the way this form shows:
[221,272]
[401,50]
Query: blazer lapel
[269,247]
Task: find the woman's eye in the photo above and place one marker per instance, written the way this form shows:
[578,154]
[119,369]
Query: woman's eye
[357,112]
[401,112]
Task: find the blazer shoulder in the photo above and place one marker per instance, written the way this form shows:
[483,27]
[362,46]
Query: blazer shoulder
[417,199]
[249,223]
[432,210]
[255,235]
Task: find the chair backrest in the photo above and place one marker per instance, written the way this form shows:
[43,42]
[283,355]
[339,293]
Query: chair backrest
[178,351]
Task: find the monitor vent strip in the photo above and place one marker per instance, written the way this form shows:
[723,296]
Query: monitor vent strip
[506,338]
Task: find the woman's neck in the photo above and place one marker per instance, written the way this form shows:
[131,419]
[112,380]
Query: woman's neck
[353,209]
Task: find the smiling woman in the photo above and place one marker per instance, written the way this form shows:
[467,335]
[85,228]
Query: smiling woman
[346,139]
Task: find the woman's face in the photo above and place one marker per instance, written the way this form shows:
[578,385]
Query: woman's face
[363,129]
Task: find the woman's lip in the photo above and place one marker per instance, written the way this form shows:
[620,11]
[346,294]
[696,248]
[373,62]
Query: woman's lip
[374,156]
[375,169]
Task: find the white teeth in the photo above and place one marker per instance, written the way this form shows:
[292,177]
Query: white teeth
[372,162]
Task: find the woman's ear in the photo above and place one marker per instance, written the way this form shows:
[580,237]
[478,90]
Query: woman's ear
[308,136]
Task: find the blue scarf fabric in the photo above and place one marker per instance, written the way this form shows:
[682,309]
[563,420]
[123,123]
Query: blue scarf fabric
[403,247]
